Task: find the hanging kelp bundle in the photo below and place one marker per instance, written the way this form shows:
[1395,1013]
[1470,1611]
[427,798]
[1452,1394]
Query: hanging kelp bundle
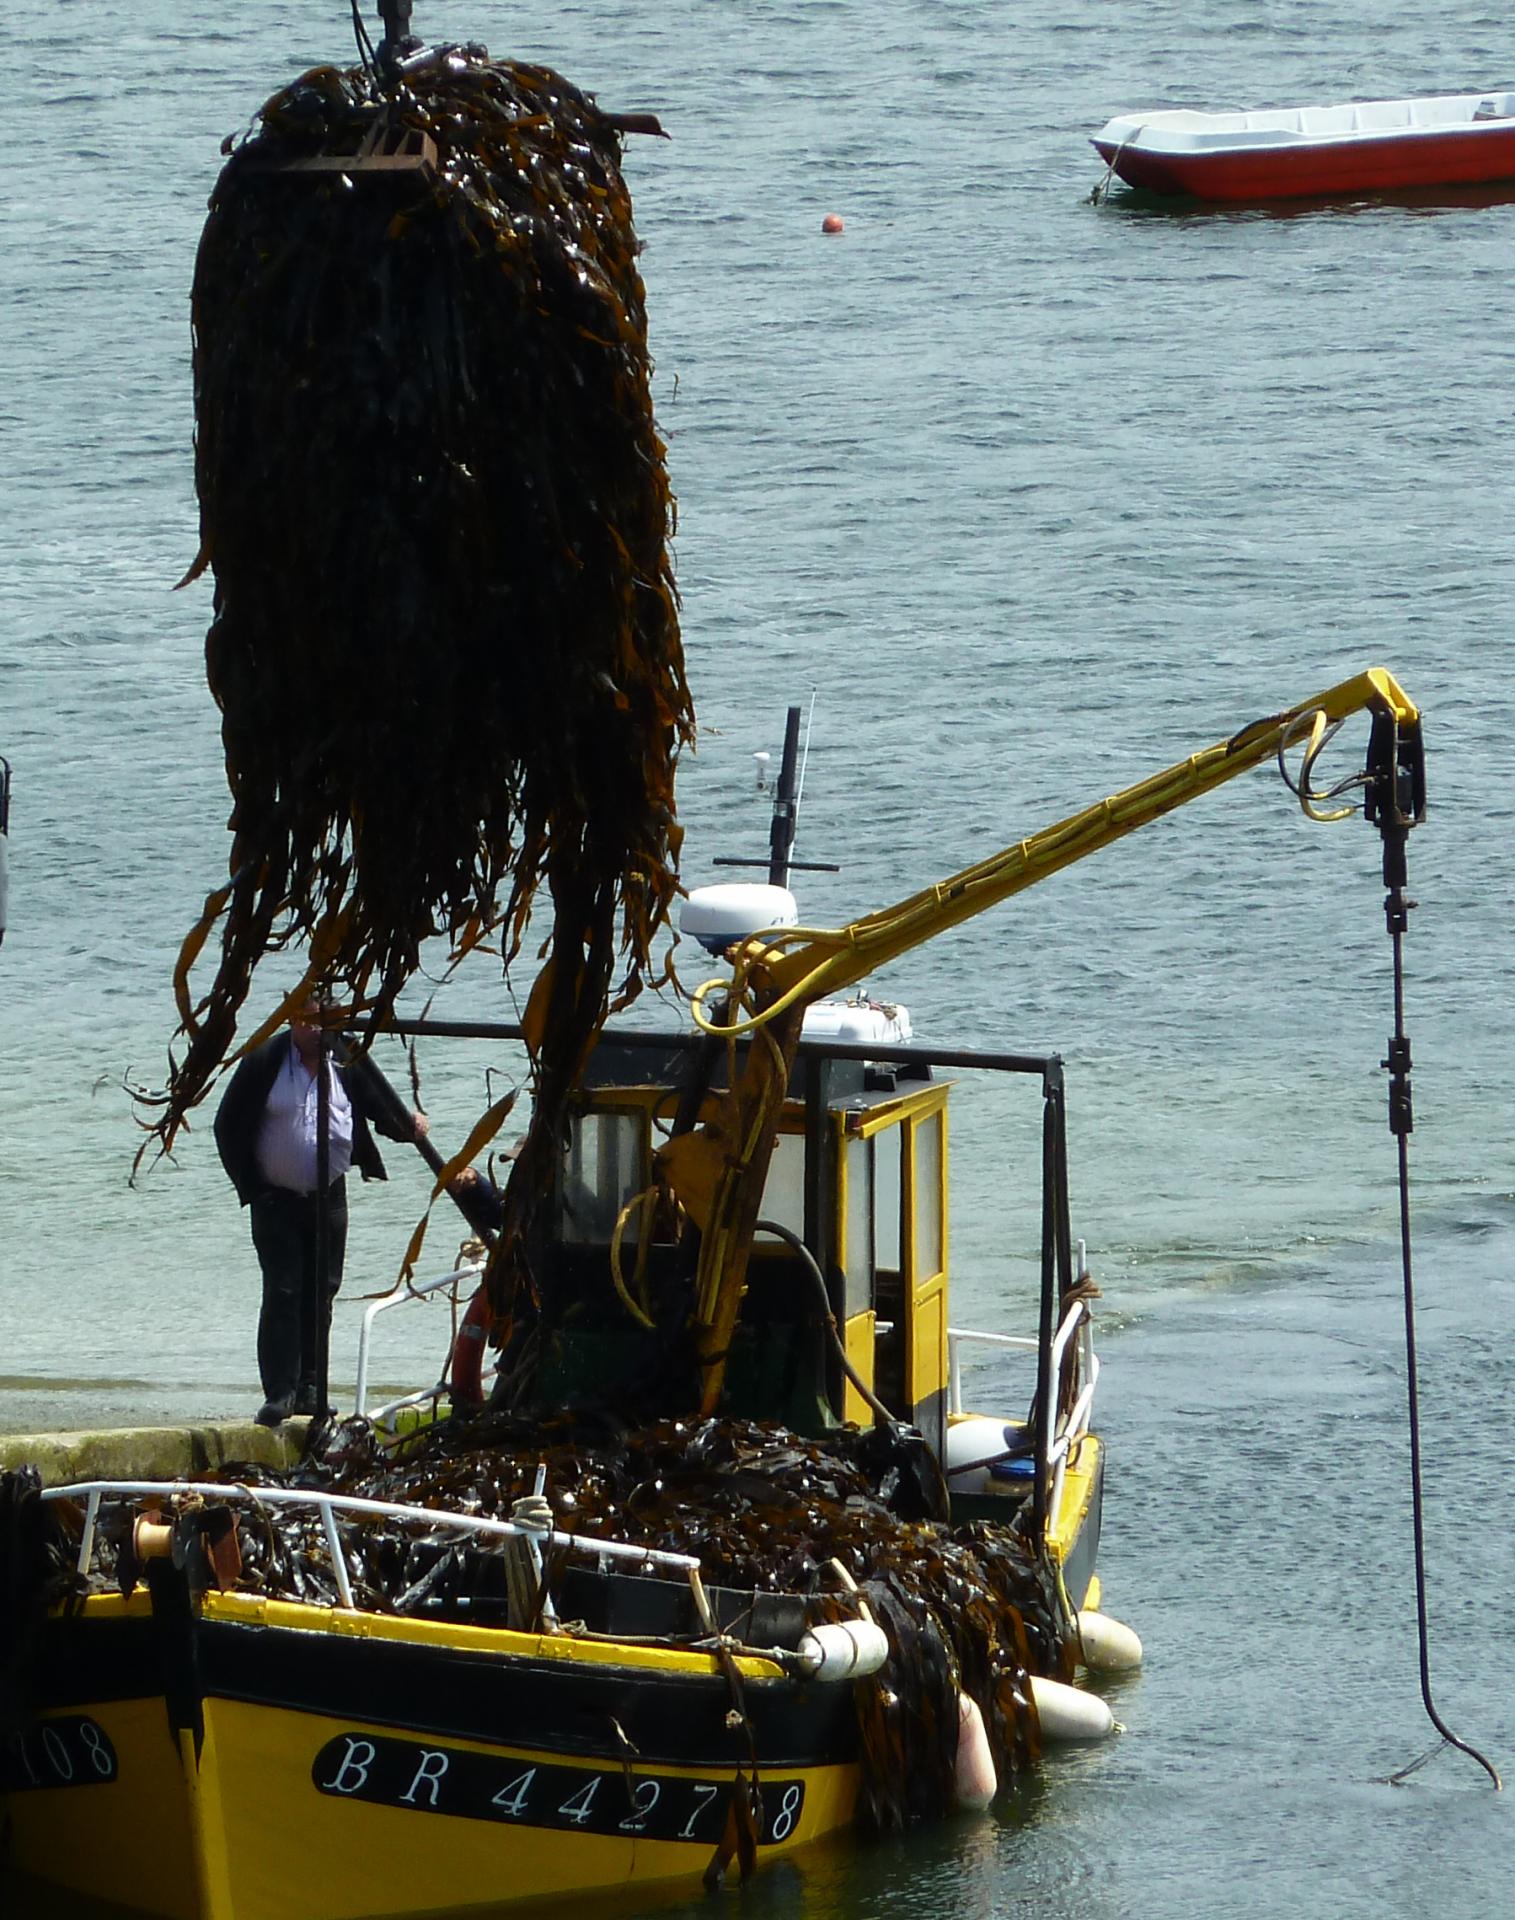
[446,644]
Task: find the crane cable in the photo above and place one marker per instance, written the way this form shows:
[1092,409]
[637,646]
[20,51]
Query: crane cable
[1401,1124]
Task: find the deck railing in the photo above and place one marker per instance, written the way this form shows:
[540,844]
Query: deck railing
[398,1296]
[1057,1440]
[1060,1434]
[328,1505]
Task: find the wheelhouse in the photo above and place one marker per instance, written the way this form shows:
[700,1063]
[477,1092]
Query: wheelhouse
[853,1229]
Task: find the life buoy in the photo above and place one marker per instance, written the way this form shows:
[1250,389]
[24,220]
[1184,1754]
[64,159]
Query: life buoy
[465,1366]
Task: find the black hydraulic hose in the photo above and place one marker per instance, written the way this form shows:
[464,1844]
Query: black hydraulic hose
[811,1265]
[360,32]
[1401,1124]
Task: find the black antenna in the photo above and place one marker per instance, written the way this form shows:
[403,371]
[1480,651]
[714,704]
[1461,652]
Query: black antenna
[786,813]
[5,827]
[786,818]
[396,17]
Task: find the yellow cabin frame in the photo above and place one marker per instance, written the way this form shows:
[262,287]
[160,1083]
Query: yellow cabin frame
[857,1185]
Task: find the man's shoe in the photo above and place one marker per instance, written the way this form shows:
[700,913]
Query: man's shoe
[273,1413]
[305,1399]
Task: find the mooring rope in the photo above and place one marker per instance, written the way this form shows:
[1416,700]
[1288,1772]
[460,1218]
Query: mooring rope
[1102,190]
[1401,1124]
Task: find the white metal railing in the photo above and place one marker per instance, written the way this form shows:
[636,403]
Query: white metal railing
[960,1337]
[957,1339]
[397,1297]
[328,1505]
[1058,1437]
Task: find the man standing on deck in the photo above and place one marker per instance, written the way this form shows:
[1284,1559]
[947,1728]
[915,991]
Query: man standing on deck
[267,1134]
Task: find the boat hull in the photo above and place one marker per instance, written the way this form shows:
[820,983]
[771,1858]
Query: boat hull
[1316,150]
[297,1765]
[398,1824]
[97,1804]
[1460,156]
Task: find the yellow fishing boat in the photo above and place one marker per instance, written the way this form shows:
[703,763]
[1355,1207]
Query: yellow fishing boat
[237,1708]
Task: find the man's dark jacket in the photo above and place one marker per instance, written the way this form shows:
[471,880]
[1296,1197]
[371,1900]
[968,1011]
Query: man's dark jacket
[241,1114]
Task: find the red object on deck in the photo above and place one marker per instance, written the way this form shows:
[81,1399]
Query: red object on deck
[466,1367]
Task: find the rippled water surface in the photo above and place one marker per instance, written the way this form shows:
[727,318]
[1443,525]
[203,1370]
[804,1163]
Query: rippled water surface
[1034,496]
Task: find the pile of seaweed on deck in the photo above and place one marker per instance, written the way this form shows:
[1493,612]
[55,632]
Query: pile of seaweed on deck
[968,1608]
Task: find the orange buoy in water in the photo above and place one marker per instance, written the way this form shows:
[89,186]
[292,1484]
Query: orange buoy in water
[833,223]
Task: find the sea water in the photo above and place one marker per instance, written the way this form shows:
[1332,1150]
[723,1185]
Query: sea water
[1021,497]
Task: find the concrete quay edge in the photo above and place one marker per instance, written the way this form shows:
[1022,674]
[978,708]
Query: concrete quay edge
[152,1453]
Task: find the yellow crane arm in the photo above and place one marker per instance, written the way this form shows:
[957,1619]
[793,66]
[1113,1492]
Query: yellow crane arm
[809,963]
[717,1172]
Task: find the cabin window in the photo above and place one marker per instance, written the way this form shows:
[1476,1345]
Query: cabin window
[784,1191]
[888,1285]
[887,1148]
[930,1252]
[602,1169]
[858,1268]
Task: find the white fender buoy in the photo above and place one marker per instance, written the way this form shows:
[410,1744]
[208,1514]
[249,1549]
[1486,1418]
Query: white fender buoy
[971,1442]
[844,1649]
[975,1439]
[975,1780]
[1069,1713]
[1108,1645]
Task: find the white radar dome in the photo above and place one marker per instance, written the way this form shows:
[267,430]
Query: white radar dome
[719,916]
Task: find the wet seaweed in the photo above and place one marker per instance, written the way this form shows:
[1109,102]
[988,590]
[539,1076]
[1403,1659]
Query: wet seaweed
[445,642]
[969,1608]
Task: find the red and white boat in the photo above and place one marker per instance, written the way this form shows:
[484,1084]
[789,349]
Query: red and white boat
[1364,146]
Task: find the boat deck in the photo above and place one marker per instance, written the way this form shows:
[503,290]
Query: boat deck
[1191,128]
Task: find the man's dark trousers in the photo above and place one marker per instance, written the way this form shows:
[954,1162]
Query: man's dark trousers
[284,1234]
